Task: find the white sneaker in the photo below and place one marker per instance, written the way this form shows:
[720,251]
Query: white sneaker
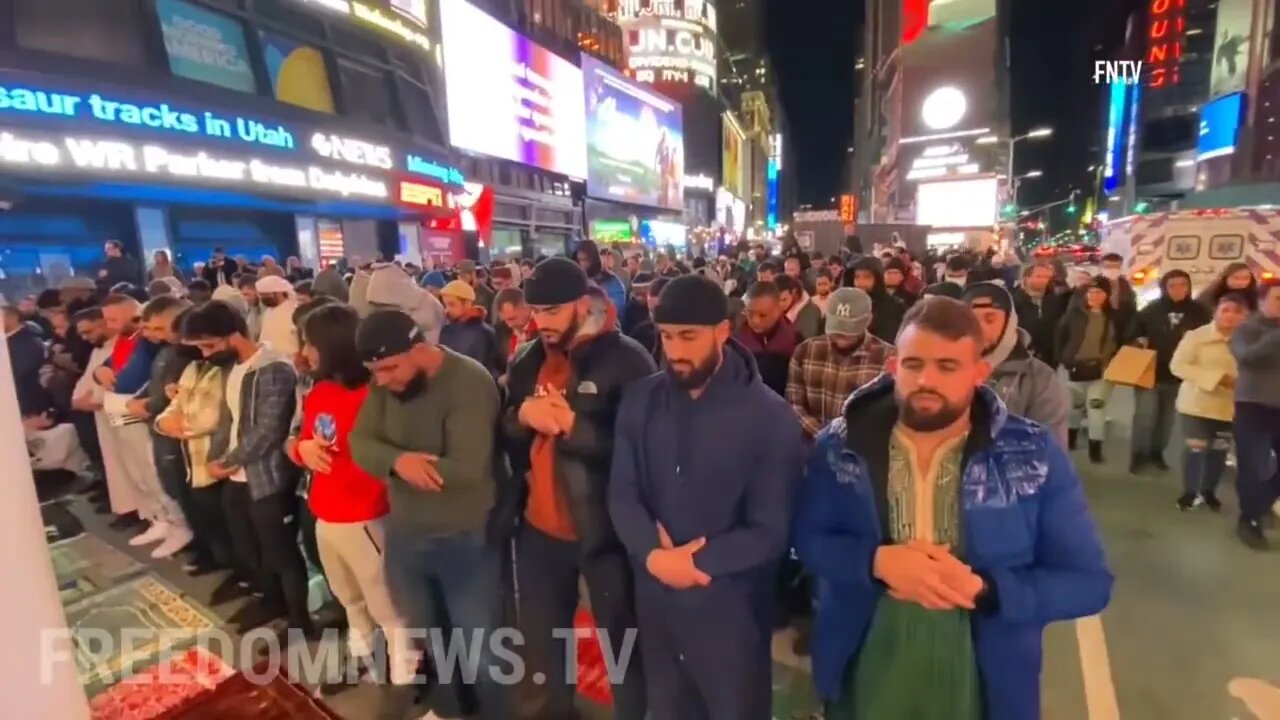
[178,538]
[154,534]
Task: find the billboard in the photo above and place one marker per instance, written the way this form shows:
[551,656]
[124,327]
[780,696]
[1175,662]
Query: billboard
[205,45]
[635,140]
[1231,47]
[733,143]
[947,88]
[670,42]
[731,212]
[957,203]
[1219,123]
[509,97]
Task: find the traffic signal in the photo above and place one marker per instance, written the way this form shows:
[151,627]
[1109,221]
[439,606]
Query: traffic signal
[1071,205]
[1142,207]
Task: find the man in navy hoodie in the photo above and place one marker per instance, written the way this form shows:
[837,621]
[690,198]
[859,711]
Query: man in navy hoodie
[950,594]
[706,459]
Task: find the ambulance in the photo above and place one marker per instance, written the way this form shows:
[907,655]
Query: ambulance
[1201,243]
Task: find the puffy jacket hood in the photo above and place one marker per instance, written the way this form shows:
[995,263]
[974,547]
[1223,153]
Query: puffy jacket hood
[329,282]
[1009,340]
[593,257]
[388,285]
[871,264]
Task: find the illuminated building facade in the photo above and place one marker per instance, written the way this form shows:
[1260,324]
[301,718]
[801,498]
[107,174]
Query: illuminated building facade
[184,125]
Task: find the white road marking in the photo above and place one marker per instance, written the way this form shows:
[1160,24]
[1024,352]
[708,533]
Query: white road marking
[1095,665]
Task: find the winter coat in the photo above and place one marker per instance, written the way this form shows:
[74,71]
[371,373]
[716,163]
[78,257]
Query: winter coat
[602,367]
[1162,323]
[200,404]
[724,466]
[1040,320]
[268,400]
[473,337]
[26,356]
[1202,359]
[1256,346]
[1026,529]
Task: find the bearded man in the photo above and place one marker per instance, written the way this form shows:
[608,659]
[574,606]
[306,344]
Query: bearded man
[944,534]
[563,396]
[705,464]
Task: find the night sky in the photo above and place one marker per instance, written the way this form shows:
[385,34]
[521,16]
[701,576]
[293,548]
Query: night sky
[1053,49]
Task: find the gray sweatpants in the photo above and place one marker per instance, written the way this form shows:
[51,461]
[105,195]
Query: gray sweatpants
[138,464]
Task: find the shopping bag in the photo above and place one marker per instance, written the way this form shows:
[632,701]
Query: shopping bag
[1133,366]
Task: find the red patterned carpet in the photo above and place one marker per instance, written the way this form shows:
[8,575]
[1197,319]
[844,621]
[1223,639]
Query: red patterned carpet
[158,690]
[593,680]
[240,697]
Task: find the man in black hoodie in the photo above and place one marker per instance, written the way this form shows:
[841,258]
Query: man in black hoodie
[588,257]
[867,274]
[1040,309]
[1160,327]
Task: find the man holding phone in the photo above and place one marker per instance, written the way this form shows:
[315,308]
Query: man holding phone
[427,428]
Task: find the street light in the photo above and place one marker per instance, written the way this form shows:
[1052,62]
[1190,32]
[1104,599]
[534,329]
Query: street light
[1017,181]
[987,140]
[1037,133]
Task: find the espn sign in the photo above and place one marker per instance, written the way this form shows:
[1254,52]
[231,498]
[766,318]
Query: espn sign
[848,208]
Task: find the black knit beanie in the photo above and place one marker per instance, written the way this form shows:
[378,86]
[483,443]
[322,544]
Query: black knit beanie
[691,300]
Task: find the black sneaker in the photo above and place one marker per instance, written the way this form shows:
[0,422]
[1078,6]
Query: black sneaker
[228,591]
[1159,464]
[1211,501]
[255,615]
[395,701]
[1188,501]
[1250,533]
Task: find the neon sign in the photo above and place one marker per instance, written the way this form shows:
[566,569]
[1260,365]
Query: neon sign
[376,18]
[1166,36]
[75,152]
[662,50]
[154,116]
[429,168]
[356,152]
[412,193]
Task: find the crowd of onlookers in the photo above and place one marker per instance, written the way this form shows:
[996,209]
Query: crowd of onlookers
[262,419]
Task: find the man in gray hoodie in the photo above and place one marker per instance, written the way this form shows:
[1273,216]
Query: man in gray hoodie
[1028,386]
[1256,346]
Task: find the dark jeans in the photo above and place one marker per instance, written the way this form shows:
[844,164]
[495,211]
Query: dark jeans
[208,520]
[1257,430]
[264,534]
[1205,455]
[547,572]
[87,432]
[1153,413]
[448,584]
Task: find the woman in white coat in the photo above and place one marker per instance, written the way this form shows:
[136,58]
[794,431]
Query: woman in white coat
[1206,400]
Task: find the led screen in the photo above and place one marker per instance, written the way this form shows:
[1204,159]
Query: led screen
[957,203]
[1219,122]
[509,97]
[635,140]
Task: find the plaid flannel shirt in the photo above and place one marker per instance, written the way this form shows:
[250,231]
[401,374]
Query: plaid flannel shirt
[821,378]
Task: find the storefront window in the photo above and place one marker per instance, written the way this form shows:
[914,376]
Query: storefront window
[205,45]
[297,72]
[506,242]
[366,94]
[89,29]
[550,243]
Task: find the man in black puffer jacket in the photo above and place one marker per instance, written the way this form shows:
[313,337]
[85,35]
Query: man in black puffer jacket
[1160,326]
[563,398]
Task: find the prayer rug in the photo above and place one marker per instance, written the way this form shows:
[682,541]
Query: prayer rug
[257,698]
[86,564]
[161,688]
[123,629]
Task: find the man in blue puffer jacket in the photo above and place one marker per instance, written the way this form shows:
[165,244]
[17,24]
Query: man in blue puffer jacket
[944,534]
[588,256]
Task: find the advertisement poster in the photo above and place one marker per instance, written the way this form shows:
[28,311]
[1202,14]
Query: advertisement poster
[635,140]
[297,72]
[509,97]
[1219,124]
[731,155]
[204,45]
[1231,47]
